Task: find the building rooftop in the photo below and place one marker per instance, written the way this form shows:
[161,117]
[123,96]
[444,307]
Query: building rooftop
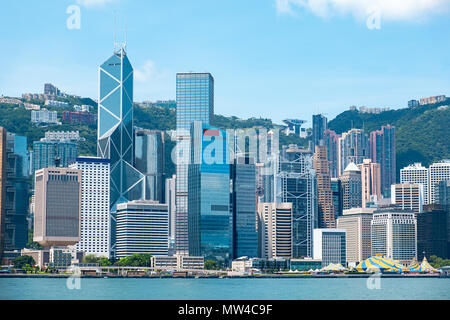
[352,167]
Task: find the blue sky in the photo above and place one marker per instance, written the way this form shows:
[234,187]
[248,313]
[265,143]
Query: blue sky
[269,58]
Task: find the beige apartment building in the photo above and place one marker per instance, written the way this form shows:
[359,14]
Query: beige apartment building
[275,229]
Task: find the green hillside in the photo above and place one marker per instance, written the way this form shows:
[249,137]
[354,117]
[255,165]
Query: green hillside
[423,133]
[17,120]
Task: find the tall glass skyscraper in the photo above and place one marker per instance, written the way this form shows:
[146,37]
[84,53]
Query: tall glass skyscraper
[295,182]
[149,160]
[320,124]
[245,234]
[382,151]
[210,216]
[195,102]
[45,152]
[17,187]
[115,127]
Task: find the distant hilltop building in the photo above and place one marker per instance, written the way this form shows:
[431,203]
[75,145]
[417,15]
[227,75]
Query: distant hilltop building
[62,135]
[50,93]
[10,100]
[44,116]
[82,108]
[51,90]
[57,104]
[413,103]
[364,109]
[433,99]
[73,117]
[294,126]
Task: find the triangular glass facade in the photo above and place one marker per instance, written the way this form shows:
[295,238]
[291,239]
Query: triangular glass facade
[115,127]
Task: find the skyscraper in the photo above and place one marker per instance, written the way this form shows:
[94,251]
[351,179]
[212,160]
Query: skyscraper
[295,182]
[195,102]
[245,237]
[2,186]
[432,232]
[330,246]
[351,187]
[338,201]
[382,151]
[17,189]
[357,224]
[370,181]
[46,151]
[170,201]
[95,221]
[115,128]
[331,142]
[57,206]
[210,222]
[394,234]
[149,160]
[439,171]
[142,228]
[324,192]
[416,173]
[353,147]
[444,202]
[275,230]
[407,196]
[320,124]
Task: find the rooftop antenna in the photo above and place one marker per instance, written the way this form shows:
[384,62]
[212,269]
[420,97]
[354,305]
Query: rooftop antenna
[119,46]
[125,31]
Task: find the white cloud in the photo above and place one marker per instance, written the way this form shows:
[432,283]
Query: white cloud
[93,3]
[390,9]
[152,83]
[146,72]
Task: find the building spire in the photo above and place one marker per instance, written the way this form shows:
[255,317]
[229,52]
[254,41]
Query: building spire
[119,46]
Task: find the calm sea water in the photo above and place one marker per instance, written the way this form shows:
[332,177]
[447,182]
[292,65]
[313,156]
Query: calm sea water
[224,289]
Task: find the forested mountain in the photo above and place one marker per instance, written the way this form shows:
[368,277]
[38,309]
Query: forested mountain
[422,133]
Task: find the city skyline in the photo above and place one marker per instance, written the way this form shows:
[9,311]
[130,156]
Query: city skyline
[288,50]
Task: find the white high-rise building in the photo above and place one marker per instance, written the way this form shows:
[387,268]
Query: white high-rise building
[416,173]
[95,214]
[394,234]
[170,201]
[438,171]
[329,245]
[142,228]
[407,196]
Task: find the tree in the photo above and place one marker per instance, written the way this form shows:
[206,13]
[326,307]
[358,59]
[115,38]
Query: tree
[22,261]
[211,265]
[31,244]
[135,260]
[437,262]
[102,261]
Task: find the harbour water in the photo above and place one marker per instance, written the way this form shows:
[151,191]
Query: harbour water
[225,289]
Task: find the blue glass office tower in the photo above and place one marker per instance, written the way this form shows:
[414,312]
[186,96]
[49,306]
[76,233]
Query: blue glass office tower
[115,128]
[46,151]
[209,214]
[17,193]
[243,199]
[195,102]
